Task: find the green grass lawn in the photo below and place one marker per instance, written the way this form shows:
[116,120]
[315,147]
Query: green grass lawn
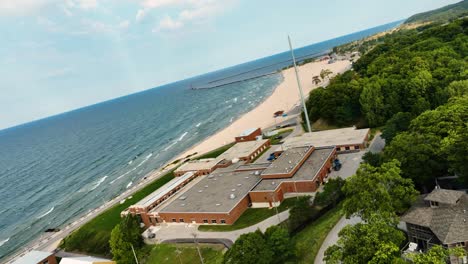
[215,153]
[167,254]
[308,241]
[93,237]
[250,217]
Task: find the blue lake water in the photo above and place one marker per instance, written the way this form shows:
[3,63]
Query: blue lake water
[54,170]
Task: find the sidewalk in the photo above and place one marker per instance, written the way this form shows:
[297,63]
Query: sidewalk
[186,231]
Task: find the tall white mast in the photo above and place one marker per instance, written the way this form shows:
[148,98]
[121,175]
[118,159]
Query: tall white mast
[299,86]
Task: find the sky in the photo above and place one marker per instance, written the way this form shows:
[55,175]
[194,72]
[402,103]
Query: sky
[59,55]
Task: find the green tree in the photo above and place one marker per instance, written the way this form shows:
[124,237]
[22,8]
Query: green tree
[300,212]
[324,73]
[455,145]
[373,159]
[372,101]
[279,242]
[378,190]
[436,255]
[125,235]
[332,193]
[458,88]
[365,242]
[121,249]
[397,123]
[132,231]
[250,248]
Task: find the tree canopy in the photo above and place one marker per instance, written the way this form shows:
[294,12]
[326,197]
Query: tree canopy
[376,241]
[378,190]
[409,72]
[250,248]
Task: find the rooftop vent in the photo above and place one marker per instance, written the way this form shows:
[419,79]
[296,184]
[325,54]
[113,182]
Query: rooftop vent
[200,191]
[232,196]
[182,197]
[210,176]
[233,190]
[239,184]
[257,173]
[182,204]
[206,186]
[272,183]
[246,177]
[289,162]
[218,204]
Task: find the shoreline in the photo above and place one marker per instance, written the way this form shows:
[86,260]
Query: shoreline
[285,96]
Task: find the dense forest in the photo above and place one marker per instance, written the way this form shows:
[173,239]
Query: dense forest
[412,85]
[443,14]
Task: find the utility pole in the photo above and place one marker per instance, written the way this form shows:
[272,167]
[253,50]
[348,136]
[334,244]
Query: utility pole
[299,86]
[134,254]
[198,248]
[276,209]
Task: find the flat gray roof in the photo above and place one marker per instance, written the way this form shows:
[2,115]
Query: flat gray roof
[326,138]
[213,194]
[254,166]
[306,172]
[164,190]
[196,165]
[33,257]
[288,160]
[242,149]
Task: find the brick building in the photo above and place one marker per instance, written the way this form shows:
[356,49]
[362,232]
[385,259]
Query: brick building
[249,135]
[314,168]
[344,139]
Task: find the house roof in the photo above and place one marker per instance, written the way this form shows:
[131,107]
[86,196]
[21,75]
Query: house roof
[84,260]
[444,196]
[33,257]
[448,221]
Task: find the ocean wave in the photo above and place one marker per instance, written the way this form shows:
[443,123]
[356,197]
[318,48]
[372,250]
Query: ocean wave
[129,184]
[46,213]
[235,100]
[182,137]
[130,162]
[123,175]
[144,160]
[232,118]
[170,146]
[4,241]
[199,124]
[98,183]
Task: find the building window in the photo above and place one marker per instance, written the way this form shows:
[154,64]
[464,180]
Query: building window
[434,203]
[174,220]
[213,221]
[181,220]
[224,221]
[347,148]
[356,147]
[205,221]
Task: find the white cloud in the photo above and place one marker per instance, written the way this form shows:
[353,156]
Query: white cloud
[21,7]
[167,23]
[140,15]
[87,4]
[199,12]
[124,24]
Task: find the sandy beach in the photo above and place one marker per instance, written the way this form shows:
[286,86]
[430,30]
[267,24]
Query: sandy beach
[284,97]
